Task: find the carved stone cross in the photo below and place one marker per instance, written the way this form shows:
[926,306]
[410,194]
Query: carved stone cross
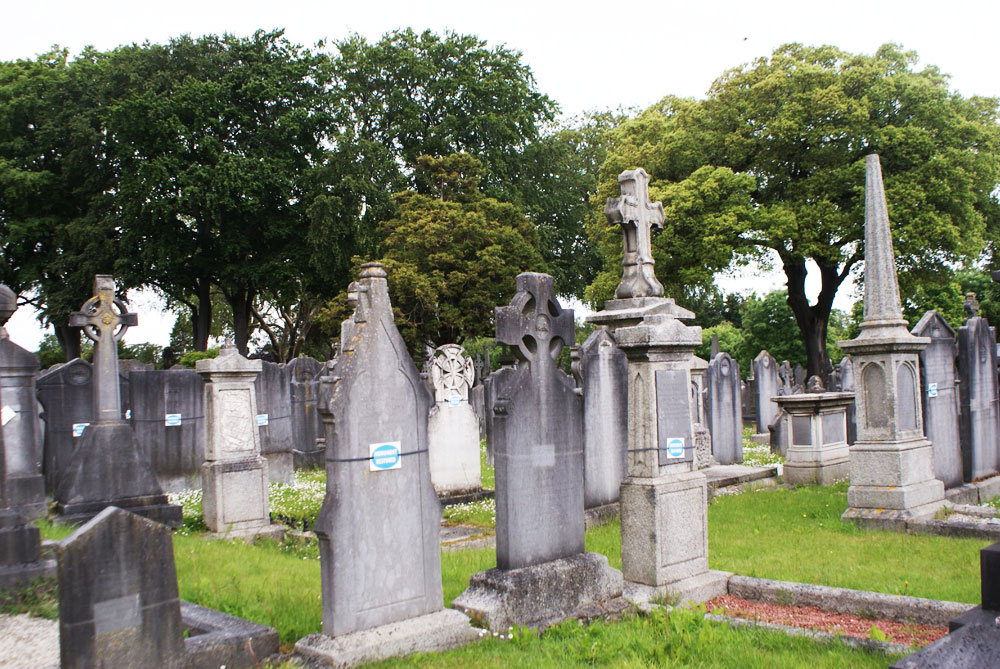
[104,319]
[637,215]
[534,324]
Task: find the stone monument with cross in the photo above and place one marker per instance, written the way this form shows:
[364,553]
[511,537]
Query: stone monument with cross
[542,574]
[892,466]
[664,514]
[453,427]
[109,467]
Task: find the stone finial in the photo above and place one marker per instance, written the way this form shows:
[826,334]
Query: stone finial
[882,305]
[971,305]
[637,215]
[8,304]
[815,384]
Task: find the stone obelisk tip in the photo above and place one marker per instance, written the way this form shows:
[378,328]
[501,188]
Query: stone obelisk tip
[881,288]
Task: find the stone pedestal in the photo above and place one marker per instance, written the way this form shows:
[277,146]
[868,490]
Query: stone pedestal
[20,552]
[816,450]
[234,474]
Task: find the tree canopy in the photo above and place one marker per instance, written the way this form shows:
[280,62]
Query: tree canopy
[773,161]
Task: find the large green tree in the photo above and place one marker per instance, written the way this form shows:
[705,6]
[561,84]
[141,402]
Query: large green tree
[773,161]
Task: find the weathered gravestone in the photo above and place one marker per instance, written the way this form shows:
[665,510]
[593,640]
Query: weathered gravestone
[845,374]
[452,426]
[702,437]
[234,473]
[66,394]
[168,421]
[765,373]
[723,409]
[892,468]
[119,606]
[799,374]
[786,379]
[108,466]
[543,574]
[980,420]
[277,436]
[19,422]
[940,397]
[664,514]
[307,427]
[379,527]
[603,368]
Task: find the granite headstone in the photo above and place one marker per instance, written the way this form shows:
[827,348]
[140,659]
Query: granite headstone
[980,422]
[765,373]
[722,381]
[939,397]
[452,426]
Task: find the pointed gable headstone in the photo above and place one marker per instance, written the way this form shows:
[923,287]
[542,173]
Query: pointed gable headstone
[939,396]
[980,418]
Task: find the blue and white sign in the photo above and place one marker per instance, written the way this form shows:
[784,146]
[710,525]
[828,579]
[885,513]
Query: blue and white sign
[128,414]
[455,400]
[78,429]
[6,415]
[931,390]
[385,456]
[675,447]
[172,419]
[261,419]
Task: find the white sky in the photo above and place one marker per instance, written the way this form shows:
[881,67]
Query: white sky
[585,55]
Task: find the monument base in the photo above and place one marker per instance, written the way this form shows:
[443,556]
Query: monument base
[27,495]
[806,465]
[883,518]
[693,590]
[542,594]
[235,499]
[154,507]
[437,631]
[20,552]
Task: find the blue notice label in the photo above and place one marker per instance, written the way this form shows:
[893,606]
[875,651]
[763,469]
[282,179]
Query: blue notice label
[261,419]
[455,400]
[385,456]
[932,390]
[675,447]
[172,419]
[78,429]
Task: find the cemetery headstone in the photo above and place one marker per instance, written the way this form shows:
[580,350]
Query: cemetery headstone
[274,400]
[891,469]
[307,427]
[663,499]
[452,426]
[786,379]
[939,397]
[723,409]
[234,474]
[845,371]
[543,573]
[765,372]
[379,526]
[604,369]
[108,468]
[19,421]
[799,374]
[980,419]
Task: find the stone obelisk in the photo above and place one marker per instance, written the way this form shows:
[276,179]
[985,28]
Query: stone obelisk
[892,463]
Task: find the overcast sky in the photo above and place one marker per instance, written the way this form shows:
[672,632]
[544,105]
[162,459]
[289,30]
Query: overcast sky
[585,55]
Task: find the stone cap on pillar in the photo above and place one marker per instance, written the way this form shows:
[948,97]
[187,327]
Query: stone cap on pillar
[228,363]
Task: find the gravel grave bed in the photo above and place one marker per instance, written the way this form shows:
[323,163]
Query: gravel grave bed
[813,618]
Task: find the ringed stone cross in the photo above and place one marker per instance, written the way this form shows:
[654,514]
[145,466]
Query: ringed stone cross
[637,215]
[104,319]
[534,324]
[452,371]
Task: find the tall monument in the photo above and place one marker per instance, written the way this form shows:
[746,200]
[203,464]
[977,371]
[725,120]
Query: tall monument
[108,466]
[664,514]
[892,464]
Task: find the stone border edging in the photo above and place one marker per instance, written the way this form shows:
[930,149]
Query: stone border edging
[843,600]
[869,645]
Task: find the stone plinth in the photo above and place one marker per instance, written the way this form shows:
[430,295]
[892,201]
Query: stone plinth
[22,430]
[816,450]
[234,474]
[20,552]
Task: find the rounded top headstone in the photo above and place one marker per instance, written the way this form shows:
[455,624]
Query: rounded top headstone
[8,303]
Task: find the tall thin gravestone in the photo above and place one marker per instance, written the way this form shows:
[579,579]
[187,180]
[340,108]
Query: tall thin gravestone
[19,422]
[765,372]
[892,467]
[452,427]
[664,513]
[980,418]
[543,573]
[723,409]
[939,397]
[604,369]
[379,526]
[108,467]
[234,474]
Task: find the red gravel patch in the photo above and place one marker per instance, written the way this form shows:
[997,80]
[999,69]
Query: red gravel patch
[813,618]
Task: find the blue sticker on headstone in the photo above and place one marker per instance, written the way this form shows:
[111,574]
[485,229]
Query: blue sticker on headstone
[455,400]
[932,390]
[128,414]
[172,419]
[261,419]
[78,429]
[385,456]
[675,447]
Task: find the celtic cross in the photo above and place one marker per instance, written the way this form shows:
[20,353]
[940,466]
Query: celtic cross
[534,325]
[104,319]
[452,372]
[637,215]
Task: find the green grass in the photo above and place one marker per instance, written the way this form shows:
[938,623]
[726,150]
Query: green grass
[797,535]
[488,473]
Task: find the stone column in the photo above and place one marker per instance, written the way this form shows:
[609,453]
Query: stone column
[234,474]
[892,472]
[664,505]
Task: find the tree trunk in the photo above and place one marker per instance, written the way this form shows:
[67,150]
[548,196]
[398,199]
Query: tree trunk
[241,302]
[202,316]
[813,320]
[69,339]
